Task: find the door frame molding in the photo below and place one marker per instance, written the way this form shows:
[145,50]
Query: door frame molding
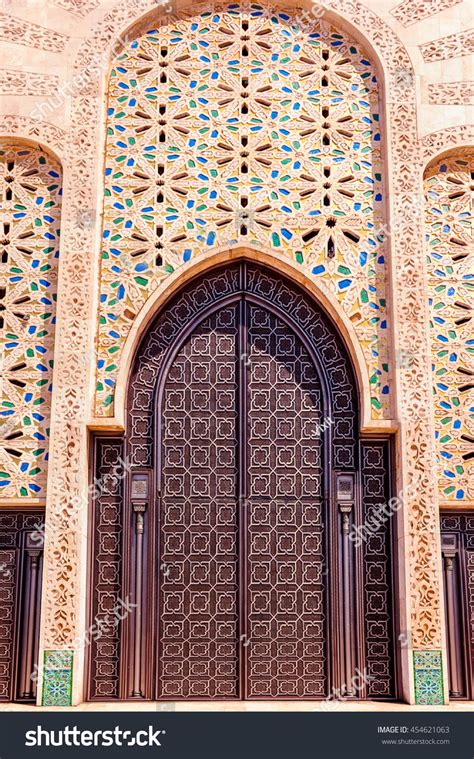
[285,273]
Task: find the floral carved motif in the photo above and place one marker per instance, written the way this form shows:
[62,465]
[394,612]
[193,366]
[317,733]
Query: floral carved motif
[78,7]
[410,12]
[452,46]
[13,29]
[43,132]
[451,93]
[27,82]
[437,142]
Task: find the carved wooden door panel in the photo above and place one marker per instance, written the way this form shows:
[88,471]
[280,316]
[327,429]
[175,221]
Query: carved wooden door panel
[198,543]
[285,605]
[227,510]
[241,544]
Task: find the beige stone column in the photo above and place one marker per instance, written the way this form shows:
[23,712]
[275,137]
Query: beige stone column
[64,637]
[421,638]
[422,643]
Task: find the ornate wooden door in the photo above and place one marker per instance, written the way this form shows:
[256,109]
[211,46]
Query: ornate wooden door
[457,545]
[241,600]
[229,532]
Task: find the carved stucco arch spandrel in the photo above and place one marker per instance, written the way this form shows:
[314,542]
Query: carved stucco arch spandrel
[63,617]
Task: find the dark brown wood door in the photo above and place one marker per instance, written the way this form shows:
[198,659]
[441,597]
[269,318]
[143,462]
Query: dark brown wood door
[198,541]
[230,530]
[457,545]
[284,561]
[241,543]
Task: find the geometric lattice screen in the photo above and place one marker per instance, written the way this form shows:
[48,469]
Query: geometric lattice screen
[449,191]
[30,200]
[244,125]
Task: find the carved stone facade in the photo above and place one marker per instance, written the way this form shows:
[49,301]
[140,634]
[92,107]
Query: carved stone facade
[297,133]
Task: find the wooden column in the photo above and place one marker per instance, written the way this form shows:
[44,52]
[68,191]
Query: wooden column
[29,631]
[345,505]
[140,490]
[453,615]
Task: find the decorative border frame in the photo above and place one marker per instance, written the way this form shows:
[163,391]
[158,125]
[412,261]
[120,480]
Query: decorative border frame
[66,517]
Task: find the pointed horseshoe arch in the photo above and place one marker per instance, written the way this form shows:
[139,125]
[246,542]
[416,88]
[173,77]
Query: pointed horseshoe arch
[234,516]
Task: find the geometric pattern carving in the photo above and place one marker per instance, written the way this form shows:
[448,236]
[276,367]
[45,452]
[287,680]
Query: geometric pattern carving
[14,29]
[428,669]
[450,243]
[106,534]
[284,501]
[377,561]
[12,526]
[30,202]
[198,606]
[7,618]
[411,11]
[470,595]
[14,82]
[452,46]
[243,145]
[282,295]
[285,602]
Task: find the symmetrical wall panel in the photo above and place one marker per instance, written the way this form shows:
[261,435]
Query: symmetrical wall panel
[243,124]
[449,188]
[30,205]
[377,567]
[107,602]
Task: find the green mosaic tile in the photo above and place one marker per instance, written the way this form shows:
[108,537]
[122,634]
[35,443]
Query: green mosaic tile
[57,678]
[428,671]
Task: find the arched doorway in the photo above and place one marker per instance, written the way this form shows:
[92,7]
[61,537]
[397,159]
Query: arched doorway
[246,523]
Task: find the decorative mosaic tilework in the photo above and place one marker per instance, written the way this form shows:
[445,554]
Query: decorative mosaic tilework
[243,125]
[30,199]
[449,188]
[428,669]
[57,678]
